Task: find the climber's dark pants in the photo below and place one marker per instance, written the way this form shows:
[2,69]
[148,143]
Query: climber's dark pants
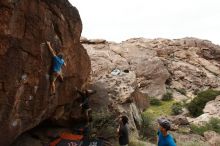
[86,113]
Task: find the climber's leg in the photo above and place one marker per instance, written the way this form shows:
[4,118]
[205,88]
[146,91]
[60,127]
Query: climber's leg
[52,88]
[88,115]
[52,84]
[61,76]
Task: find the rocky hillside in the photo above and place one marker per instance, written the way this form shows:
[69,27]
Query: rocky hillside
[151,68]
[157,64]
[25,61]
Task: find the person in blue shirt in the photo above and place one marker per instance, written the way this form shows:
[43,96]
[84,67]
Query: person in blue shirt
[164,138]
[58,63]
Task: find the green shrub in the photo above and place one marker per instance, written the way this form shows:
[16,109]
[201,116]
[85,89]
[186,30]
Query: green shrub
[177,108]
[213,125]
[148,130]
[101,118]
[162,110]
[181,90]
[168,96]
[199,129]
[154,101]
[196,106]
[104,123]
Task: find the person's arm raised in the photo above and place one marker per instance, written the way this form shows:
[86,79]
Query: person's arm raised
[51,49]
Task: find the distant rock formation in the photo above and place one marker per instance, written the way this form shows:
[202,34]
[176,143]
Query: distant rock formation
[25,61]
[189,64]
[151,67]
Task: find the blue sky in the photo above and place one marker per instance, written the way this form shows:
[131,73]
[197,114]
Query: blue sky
[118,20]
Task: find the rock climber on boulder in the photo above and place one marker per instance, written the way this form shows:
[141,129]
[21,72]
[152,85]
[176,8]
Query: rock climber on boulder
[58,63]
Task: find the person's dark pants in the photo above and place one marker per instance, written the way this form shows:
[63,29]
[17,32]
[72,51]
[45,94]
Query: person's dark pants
[86,112]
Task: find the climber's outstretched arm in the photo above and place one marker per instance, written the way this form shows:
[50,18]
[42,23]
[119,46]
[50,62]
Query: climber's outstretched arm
[51,49]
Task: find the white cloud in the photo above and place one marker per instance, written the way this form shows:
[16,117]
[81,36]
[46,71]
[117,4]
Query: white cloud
[118,20]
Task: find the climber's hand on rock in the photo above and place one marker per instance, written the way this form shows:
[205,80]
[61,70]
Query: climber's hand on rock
[48,43]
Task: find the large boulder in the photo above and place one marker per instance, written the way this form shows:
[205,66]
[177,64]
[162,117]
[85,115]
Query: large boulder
[25,61]
[116,86]
[151,74]
[179,120]
[212,137]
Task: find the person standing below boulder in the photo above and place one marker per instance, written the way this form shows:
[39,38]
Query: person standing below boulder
[164,138]
[58,63]
[123,131]
[85,94]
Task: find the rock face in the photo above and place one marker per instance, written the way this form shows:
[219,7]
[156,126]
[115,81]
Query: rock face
[212,137]
[188,67]
[25,61]
[133,58]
